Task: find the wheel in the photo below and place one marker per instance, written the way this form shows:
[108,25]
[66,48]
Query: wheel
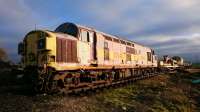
[43,82]
[38,81]
[50,85]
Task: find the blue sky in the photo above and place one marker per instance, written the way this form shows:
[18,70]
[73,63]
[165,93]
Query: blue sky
[169,26]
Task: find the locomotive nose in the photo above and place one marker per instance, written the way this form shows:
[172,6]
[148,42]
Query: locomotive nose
[34,48]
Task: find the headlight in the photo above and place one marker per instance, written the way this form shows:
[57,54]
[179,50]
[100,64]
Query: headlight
[31,57]
[51,58]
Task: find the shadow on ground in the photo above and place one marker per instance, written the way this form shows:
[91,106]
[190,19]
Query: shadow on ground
[168,92]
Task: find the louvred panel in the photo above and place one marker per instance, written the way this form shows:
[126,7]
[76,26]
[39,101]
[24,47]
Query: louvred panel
[63,50]
[58,50]
[74,51]
[69,53]
[66,50]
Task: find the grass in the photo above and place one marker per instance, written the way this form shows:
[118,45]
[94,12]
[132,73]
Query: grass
[165,93]
[196,65]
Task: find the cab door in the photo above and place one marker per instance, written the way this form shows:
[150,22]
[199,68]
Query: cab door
[86,47]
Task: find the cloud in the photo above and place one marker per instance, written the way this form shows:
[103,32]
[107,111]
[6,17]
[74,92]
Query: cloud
[16,14]
[175,45]
[169,26]
[164,25]
[15,21]
[141,16]
[183,4]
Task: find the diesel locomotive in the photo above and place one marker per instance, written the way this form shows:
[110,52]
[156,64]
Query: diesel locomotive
[75,56]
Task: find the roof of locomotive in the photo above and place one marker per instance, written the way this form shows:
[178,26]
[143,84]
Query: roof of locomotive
[109,35]
[93,29]
[38,30]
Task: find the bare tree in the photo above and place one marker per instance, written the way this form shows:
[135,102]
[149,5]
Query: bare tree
[3,55]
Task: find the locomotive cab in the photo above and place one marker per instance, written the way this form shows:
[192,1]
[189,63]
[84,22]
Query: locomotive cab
[34,49]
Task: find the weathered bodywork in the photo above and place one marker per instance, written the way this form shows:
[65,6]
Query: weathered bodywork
[88,49]
[73,50]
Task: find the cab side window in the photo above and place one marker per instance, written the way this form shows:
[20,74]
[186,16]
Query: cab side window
[106,51]
[85,36]
[149,56]
[91,37]
[41,43]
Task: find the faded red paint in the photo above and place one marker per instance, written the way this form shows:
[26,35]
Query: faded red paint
[66,50]
[58,50]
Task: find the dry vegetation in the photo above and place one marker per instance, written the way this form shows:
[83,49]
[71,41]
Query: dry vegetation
[163,93]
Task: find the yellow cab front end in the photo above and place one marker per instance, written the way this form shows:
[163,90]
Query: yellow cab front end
[38,49]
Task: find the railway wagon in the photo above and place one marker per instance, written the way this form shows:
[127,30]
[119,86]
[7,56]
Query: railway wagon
[75,56]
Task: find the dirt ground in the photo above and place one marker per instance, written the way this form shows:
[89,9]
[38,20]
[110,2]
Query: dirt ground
[163,93]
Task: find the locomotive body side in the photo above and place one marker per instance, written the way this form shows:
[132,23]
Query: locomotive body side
[74,55]
[110,51]
[65,52]
[121,55]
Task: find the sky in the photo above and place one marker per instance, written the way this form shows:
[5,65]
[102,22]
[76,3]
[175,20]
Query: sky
[171,27]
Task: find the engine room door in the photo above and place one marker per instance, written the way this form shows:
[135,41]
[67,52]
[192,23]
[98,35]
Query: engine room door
[94,47]
[87,47]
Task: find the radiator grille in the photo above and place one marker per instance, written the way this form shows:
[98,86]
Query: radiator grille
[66,50]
